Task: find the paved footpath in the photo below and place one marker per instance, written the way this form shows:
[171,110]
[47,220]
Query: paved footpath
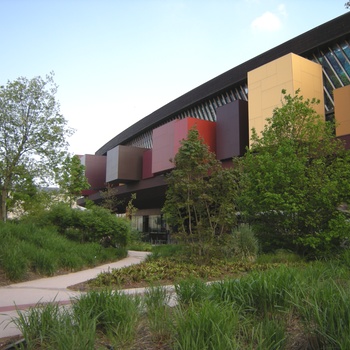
[26,294]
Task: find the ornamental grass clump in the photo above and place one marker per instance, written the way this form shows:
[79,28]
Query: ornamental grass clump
[116,314]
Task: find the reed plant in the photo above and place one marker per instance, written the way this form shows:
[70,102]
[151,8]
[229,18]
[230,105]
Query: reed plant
[76,332]
[258,292]
[37,324]
[116,314]
[207,325]
[191,290]
[325,312]
[156,303]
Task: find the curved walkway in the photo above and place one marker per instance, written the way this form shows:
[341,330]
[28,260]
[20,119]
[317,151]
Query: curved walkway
[23,295]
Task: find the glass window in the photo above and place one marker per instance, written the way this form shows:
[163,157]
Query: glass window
[345,64]
[338,69]
[346,50]
[330,73]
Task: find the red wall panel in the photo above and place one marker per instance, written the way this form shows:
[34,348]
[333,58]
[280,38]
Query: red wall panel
[167,140]
[147,165]
[95,172]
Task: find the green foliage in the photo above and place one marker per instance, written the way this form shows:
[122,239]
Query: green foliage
[27,247]
[191,290]
[242,244]
[110,199]
[116,313]
[280,256]
[207,325]
[285,307]
[293,179]
[71,178]
[156,300]
[91,225]
[200,200]
[168,270]
[32,136]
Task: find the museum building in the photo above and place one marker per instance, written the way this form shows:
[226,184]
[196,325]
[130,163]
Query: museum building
[224,110]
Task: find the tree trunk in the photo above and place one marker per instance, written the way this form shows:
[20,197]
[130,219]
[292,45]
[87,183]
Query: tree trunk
[3,209]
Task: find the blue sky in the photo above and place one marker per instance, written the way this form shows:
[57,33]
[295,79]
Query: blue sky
[116,61]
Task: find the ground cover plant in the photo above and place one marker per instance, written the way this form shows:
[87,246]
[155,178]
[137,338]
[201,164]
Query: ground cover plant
[289,306]
[27,248]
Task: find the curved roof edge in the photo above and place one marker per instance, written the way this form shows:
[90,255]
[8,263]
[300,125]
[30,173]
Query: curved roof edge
[301,45]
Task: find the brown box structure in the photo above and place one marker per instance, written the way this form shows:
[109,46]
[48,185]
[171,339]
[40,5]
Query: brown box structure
[124,163]
[231,130]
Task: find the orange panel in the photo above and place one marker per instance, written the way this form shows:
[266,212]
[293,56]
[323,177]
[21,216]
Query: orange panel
[342,110]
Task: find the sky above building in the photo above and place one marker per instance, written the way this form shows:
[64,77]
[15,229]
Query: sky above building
[117,61]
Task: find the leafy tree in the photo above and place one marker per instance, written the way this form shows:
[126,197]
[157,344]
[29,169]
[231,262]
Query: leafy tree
[294,177]
[32,134]
[347,5]
[72,179]
[200,200]
[110,199]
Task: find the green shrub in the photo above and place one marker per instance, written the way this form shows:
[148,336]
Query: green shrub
[95,224]
[14,263]
[243,243]
[43,250]
[280,256]
[167,251]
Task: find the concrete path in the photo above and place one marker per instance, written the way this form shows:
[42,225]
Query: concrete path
[26,294]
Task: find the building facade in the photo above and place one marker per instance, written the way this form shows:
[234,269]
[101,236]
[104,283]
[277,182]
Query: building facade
[224,110]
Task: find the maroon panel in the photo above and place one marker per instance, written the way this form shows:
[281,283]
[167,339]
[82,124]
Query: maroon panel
[147,165]
[95,172]
[232,129]
[163,147]
[346,140]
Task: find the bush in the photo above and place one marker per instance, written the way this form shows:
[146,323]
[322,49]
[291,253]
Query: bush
[240,244]
[99,225]
[25,247]
[91,225]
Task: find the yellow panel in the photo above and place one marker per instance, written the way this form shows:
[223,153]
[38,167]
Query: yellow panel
[342,110]
[290,72]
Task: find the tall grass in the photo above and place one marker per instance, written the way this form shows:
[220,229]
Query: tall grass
[116,314]
[25,247]
[50,326]
[288,307]
[156,300]
[258,292]
[37,324]
[207,325]
[166,251]
[191,290]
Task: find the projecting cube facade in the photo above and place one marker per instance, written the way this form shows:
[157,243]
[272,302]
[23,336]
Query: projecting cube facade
[231,130]
[124,164]
[167,140]
[95,172]
[290,72]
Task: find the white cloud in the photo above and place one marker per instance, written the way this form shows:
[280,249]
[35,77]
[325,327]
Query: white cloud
[267,22]
[282,10]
